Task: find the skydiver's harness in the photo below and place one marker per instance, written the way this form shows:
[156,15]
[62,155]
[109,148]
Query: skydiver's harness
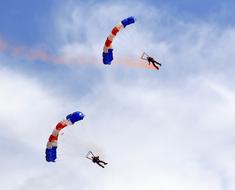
[92,157]
[150,60]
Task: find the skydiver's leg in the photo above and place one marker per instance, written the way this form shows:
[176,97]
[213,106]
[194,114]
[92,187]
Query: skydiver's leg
[100,165]
[103,162]
[158,63]
[156,66]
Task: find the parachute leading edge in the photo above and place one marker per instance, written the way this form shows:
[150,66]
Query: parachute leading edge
[108,50]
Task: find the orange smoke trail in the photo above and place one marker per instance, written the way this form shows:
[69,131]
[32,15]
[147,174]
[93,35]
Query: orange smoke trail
[66,58]
[3,45]
[137,63]
[23,52]
[40,55]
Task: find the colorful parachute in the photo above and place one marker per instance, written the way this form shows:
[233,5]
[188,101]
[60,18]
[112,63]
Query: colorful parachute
[108,50]
[52,141]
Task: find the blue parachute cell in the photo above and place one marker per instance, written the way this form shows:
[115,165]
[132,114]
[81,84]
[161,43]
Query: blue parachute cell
[51,154]
[48,155]
[74,117]
[108,57]
[128,21]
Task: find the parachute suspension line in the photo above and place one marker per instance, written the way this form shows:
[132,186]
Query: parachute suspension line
[89,154]
[144,56]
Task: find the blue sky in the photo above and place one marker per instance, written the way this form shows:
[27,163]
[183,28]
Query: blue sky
[31,22]
[26,21]
[166,129]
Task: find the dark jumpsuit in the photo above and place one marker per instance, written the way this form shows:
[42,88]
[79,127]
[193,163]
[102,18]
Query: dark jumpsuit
[96,160]
[151,60]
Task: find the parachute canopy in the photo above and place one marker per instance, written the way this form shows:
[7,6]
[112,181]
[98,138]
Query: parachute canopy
[108,50]
[52,141]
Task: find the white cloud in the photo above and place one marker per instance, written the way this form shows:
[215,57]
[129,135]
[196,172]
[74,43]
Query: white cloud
[28,113]
[152,135]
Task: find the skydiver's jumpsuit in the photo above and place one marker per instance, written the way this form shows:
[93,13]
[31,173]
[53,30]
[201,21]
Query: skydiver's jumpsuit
[151,60]
[96,160]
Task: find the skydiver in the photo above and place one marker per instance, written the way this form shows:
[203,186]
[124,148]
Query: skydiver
[154,62]
[96,159]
